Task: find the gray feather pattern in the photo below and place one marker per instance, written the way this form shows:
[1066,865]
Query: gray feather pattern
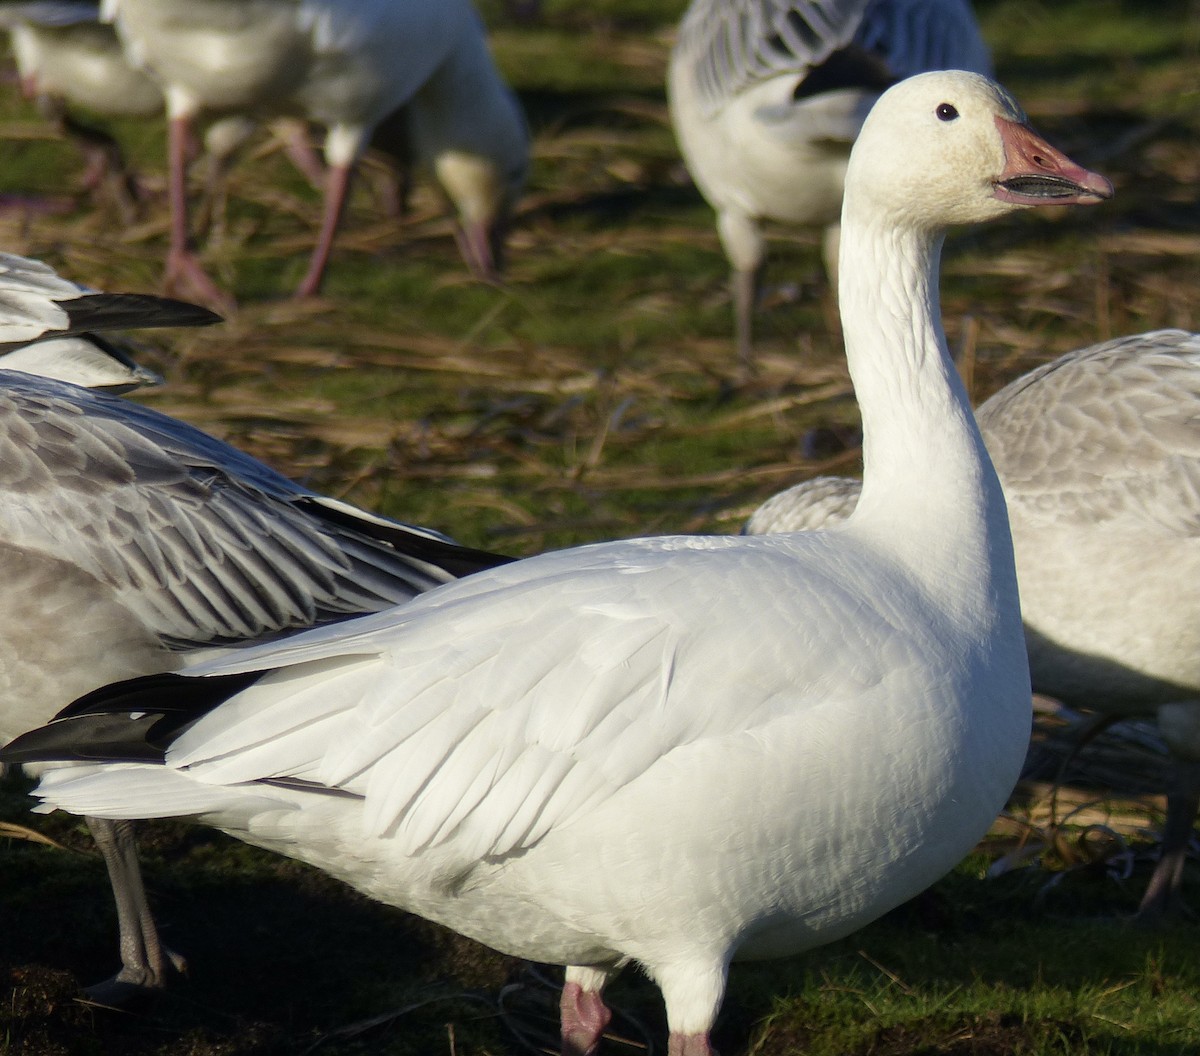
[203,542]
[732,45]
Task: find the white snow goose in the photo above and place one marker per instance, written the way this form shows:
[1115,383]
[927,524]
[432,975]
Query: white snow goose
[1099,458]
[567,757]
[142,541]
[767,97]
[67,59]
[346,65]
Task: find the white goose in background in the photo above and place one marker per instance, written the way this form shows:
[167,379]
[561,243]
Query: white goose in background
[346,65]
[66,59]
[767,97]
[568,758]
[141,541]
[1099,457]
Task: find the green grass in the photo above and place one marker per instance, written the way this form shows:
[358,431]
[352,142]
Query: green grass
[595,396]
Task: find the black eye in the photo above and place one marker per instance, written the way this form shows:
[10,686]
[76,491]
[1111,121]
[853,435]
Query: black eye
[946,112]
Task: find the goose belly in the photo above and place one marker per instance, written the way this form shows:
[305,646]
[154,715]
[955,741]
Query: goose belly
[226,54]
[773,158]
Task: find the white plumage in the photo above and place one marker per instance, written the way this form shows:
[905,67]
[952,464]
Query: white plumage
[665,750]
[767,97]
[87,360]
[346,65]
[1099,456]
[68,59]
[64,51]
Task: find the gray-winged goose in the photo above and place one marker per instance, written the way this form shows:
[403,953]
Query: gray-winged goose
[767,96]
[1099,456]
[135,541]
[664,750]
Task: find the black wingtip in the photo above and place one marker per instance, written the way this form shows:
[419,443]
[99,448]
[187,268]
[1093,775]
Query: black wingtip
[131,311]
[457,560]
[131,721]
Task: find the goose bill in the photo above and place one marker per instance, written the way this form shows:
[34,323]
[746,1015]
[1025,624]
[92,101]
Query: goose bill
[1037,174]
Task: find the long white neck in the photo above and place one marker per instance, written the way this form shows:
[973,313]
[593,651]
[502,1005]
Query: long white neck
[930,494]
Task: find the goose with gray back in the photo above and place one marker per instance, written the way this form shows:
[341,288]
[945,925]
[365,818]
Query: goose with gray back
[141,541]
[767,97]
[1099,456]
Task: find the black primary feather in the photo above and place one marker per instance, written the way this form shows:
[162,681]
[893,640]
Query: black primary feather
[458,560]
[130,311]
[133,721]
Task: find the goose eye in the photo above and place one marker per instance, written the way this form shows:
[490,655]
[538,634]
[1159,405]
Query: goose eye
[946,112]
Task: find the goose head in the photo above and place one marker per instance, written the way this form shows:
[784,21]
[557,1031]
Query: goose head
[952,147]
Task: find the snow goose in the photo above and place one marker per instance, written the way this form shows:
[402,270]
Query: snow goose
[767,96]
[345,64]
[1100,463]
[478,755]
[141,541]
[66,58]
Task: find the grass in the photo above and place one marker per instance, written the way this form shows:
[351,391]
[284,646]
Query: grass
[595,396]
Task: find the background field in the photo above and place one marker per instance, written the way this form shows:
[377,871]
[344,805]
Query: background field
[595,395]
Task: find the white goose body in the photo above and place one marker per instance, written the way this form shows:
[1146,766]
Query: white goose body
[62,50]
[767,97]
[679,750]
[569,770]
[344,64]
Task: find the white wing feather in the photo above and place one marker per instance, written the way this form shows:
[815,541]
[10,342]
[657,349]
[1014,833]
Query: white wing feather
[407,708]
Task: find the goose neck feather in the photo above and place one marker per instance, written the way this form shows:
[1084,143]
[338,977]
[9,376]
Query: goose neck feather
[930,494]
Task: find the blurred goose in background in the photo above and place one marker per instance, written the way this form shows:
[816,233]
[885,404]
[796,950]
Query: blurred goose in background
[478,755]
[141,541]
[346,65]
[66,58]
[767,97]
[1099,456]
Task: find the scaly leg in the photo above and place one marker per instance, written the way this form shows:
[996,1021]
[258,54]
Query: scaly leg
[584,1014]
[145,963]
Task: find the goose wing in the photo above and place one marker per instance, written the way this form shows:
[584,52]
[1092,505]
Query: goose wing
[730,45]
[484,714]
[205,543]
[1107,434]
